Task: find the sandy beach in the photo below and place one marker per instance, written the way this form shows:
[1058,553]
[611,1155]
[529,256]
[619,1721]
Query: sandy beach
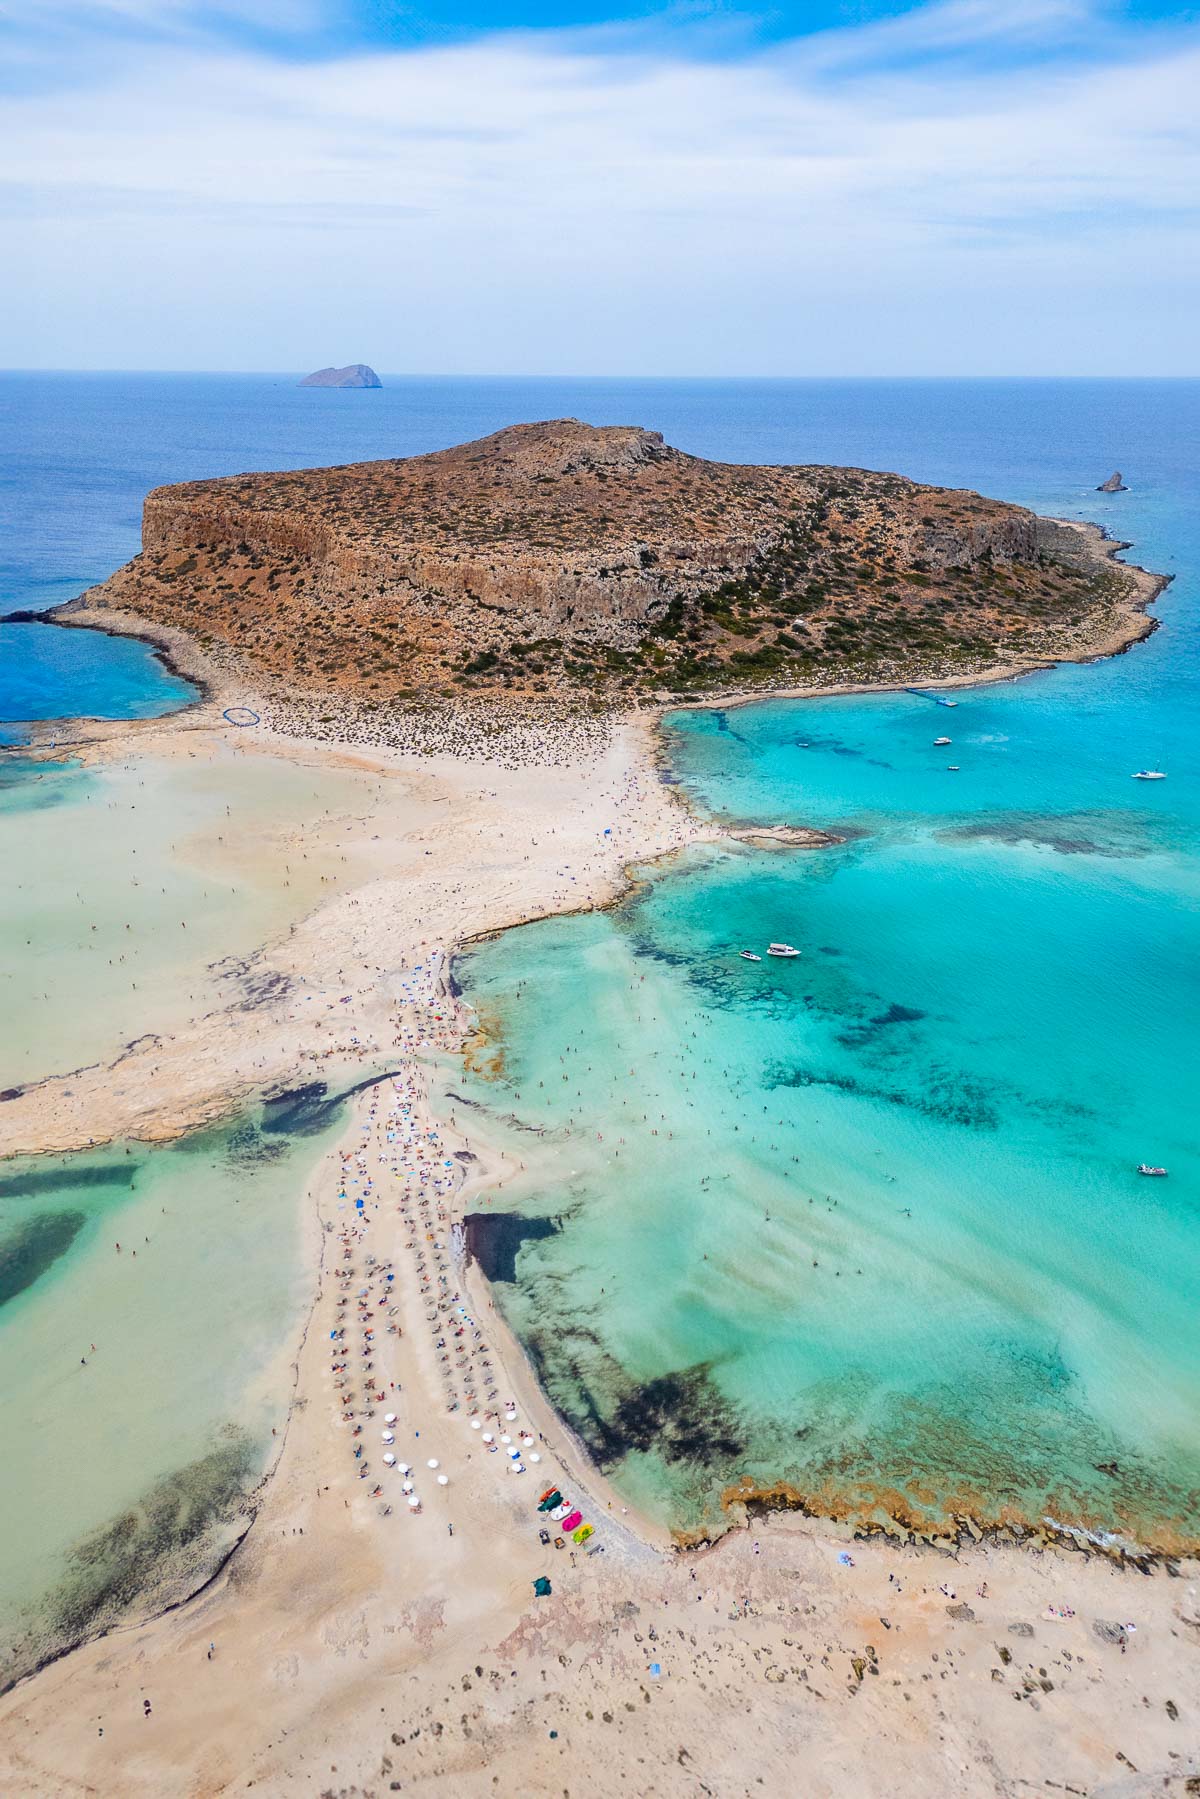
[353,1644]
[418,850]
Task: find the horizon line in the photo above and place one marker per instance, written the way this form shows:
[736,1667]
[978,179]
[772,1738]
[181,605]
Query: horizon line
[693,375]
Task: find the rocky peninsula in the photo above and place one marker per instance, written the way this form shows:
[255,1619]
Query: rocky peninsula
[563,562]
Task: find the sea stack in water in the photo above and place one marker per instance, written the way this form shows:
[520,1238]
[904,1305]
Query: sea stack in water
[355,374]
[1114,484]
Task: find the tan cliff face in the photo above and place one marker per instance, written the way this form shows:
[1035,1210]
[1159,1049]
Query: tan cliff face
[560,555]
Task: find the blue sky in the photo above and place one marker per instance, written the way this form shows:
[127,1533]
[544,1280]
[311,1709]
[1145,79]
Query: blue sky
[960,186]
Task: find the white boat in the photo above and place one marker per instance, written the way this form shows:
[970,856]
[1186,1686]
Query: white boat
[1146,1168]
[940,742]
[1149,774]
[781,949]
[748,955]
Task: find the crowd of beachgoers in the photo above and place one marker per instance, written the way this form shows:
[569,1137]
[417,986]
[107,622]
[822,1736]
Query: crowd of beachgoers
[528,736]
[398,1274]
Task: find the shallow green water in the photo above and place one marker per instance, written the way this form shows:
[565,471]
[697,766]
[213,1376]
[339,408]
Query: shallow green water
[135,889]
[127,1464]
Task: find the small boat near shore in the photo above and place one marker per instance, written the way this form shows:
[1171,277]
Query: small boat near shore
[748,955]
[1149,774]
[1148,1168]
[941,742]
[781,949]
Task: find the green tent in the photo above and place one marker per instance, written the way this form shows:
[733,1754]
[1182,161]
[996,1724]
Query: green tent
[541,1587]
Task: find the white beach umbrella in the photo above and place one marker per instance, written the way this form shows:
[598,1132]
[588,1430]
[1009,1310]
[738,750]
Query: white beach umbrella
[414,1502]
[443,1480]
[534,1456]
[505,1439]
[387,1436]
[488,1437]
[510,1415]
[476,1424]
[390,1460]
[432,1462]
[403,1467]
[389,1417]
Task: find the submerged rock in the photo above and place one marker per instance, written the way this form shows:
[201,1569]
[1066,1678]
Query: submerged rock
[495,1240]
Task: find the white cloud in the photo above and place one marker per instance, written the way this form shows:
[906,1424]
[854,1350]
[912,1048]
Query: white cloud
[537,200]
[85,17]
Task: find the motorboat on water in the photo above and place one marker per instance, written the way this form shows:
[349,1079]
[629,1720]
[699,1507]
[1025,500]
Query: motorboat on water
[781,949]
[1149,774]
[947,702]
[940,742]
[952,768]
[748,955]
[1146,1168]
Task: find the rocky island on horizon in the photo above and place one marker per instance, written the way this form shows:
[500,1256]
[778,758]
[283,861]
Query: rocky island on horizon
[557,559]
[355,374]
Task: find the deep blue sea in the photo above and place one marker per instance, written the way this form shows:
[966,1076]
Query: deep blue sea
[876,1230]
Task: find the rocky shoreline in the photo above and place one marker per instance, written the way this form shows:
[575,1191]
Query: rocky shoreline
[522,729]
[560,564]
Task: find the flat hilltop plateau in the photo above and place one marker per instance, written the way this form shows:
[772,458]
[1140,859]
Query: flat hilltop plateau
[561,561]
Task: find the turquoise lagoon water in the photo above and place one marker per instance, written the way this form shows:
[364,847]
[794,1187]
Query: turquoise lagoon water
[869,1222]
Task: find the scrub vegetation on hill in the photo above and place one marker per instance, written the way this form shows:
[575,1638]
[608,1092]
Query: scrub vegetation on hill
[561,560]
